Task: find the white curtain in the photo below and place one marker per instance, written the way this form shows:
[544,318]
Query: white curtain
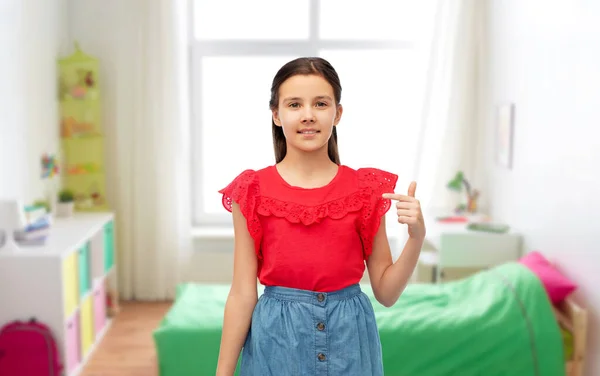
[152,188]
[449,131]
[142,48]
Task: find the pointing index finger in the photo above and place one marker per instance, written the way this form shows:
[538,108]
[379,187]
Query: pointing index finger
[397,197]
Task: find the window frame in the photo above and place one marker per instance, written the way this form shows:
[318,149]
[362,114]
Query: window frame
[219,225]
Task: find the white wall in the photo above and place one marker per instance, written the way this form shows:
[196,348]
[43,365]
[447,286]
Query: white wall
[12,151]
[545,58]
[33,34]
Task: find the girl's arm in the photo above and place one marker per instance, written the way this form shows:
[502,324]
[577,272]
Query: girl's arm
[242,297]
[388,279]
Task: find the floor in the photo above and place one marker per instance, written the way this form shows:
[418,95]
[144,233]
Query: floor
[127,348]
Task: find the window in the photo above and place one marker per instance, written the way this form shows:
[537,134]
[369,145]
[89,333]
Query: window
[378,47]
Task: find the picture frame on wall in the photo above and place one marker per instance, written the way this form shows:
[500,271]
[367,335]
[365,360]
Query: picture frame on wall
[505,123]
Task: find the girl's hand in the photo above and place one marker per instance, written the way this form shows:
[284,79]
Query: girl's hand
[409,211]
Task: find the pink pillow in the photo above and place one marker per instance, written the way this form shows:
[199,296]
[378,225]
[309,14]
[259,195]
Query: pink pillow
[557,285]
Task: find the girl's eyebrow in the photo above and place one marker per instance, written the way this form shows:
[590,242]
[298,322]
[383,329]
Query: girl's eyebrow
[289,99]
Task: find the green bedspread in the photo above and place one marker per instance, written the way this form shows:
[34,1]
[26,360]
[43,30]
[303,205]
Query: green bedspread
[497,322]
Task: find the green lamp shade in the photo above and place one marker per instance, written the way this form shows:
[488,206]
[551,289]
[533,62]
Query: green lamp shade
[456,183]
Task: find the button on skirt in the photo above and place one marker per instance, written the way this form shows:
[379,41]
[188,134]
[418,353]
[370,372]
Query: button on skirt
[299,332]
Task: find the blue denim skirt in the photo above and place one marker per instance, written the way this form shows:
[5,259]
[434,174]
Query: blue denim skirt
[299,332]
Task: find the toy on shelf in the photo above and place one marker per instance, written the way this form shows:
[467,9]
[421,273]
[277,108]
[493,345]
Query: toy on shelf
[456,185]
[84,168]
[49,166]
[71,127]
[50,172]
[82,140]
[79,82]
[91,197]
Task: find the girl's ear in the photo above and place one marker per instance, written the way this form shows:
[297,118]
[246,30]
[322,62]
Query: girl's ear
[338,114]
[276,119]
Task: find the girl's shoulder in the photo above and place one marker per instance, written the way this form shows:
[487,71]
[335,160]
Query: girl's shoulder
[373,179]
[375,176]
[243,189]
[245,179]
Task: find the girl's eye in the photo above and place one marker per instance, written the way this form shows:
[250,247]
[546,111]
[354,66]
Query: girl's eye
[321,104]
[293,104]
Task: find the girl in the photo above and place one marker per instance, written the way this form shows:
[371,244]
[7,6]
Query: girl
[305,227]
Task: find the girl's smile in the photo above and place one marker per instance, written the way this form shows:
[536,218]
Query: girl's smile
[309,133]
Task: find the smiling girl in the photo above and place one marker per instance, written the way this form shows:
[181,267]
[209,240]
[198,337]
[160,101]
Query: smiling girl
[307,227]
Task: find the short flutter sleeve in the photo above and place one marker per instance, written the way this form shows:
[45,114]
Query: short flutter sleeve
[245,191]
[373,183]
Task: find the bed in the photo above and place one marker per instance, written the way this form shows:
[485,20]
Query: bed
[496,322]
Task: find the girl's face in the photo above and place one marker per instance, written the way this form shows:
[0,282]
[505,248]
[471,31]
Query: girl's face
[307,112]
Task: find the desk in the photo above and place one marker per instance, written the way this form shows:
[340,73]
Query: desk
[453,245]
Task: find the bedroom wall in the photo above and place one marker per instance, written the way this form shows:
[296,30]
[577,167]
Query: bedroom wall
[545,60]
[32,35]
[12,137]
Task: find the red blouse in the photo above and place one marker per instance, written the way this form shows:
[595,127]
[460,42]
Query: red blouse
[313,239]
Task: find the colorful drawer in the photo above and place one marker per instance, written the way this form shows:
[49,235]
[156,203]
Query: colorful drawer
[109,246]
[83,256]
[87,328]
[70,284]
[72,343]
[99,307]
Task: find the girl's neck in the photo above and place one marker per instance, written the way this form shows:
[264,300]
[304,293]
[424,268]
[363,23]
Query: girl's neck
[307,169]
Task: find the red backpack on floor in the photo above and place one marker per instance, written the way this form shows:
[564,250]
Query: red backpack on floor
[27,349]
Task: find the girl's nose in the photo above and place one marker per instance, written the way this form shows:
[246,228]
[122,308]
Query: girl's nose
[308,116]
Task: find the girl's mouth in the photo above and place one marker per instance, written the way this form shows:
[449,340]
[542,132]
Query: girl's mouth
[309,131]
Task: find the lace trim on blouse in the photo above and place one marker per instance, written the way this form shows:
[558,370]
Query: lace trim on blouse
[245,191]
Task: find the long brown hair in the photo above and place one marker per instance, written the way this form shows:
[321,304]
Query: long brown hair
[304,66]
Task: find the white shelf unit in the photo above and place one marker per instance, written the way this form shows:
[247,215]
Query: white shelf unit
[64,284]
